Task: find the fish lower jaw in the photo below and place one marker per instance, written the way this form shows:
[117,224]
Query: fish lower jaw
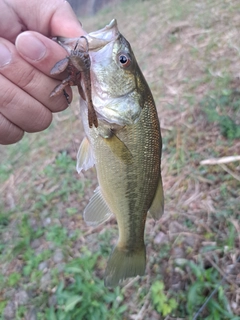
[116,119]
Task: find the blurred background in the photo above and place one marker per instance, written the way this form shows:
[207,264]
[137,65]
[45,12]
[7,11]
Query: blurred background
[52,264]
[90,7]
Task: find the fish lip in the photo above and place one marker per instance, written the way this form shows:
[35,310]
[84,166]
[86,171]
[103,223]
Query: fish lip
[96,40]
[109,32]
[102,37]
[94,44]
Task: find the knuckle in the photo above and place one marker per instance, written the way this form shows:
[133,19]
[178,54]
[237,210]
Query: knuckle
[46,121]
[9,133]
[17,136]
[8,96]
[41,122]
[28,78]
[27,113]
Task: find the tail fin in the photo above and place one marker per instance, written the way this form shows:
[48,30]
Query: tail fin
[123,264]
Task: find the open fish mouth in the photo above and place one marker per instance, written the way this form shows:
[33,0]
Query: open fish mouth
[108,33]
[96,40]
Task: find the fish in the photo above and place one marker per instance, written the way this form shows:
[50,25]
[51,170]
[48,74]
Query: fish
[125,149]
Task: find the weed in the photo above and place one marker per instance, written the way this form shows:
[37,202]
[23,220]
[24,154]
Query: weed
[162,303]
[32,261]
[21,311]
[104,240]
[85,297]
[72,211]
[57,235]
[26,235]
[217,108]
[206,280]
[4,219]
[5,171]
[2,306]
[13,279]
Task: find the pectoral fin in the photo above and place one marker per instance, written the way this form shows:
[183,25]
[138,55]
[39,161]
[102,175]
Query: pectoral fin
[97,211]
[85,158]
[116,145]
[120,149]
[157,207]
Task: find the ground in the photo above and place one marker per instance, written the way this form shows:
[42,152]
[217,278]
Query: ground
[52,264]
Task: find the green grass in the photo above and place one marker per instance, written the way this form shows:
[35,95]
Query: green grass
[163,304]
[86,296]
[217,110]
[189,54]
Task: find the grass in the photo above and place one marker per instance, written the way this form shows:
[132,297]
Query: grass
[189,53]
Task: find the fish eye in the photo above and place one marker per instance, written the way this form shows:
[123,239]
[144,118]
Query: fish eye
[124,60]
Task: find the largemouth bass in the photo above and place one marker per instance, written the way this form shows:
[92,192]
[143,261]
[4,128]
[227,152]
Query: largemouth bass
[125,148]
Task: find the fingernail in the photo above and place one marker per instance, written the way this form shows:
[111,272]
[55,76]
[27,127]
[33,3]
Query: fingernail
[30,47]
[5,55]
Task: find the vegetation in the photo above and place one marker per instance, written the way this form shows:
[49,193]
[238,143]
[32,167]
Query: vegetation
[52,264]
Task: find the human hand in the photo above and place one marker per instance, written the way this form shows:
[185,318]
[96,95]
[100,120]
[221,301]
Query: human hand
[26,58]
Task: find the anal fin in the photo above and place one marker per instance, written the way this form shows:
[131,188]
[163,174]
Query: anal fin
[97,211]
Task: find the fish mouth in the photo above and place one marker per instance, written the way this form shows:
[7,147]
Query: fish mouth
[108,33]
[93,41]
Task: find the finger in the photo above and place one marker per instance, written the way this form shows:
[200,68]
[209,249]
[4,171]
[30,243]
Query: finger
[31,80]
[21,109]
[40,51]
[49,17]
[9,133]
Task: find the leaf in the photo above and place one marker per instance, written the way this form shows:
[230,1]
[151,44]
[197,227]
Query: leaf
[74,270]
[51,314]
[122,309]
[71,302]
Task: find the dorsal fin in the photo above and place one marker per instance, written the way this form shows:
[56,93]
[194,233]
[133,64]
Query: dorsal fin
[157,207]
